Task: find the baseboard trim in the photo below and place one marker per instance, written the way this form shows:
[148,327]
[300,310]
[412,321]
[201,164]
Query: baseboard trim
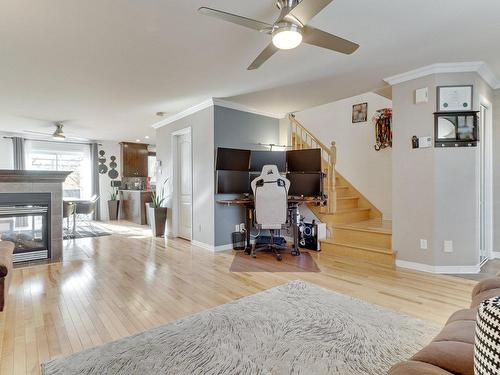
[495,255]
[203,245]
[438,269]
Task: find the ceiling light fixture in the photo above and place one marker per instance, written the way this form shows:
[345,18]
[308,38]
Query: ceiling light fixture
[147,137]
[288,36]
[161,114]
[137,140]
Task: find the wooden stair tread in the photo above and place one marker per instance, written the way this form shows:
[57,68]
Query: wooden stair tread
[374,226]
[348,210]
[348,197]
[362,247]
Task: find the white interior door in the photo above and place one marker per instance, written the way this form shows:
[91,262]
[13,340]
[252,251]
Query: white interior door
[184,184]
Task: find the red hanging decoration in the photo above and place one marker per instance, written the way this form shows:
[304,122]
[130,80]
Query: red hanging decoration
[383,128]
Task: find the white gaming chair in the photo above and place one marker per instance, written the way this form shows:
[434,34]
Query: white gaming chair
[270,192]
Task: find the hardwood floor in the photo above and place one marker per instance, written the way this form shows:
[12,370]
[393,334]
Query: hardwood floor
[114,286]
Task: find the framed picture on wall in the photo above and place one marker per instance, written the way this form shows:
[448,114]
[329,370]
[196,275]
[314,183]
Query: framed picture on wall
[454,98]
[359,112]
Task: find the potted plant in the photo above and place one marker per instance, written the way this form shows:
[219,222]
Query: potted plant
[157,214]
[113,205]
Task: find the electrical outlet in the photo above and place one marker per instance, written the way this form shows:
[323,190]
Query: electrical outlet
[423,244]
[237,228]
[448,246]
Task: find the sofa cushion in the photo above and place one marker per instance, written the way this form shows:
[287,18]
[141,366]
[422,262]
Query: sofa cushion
[487,294]
[459,330]
[464,314]
[487,348]
[416,368]
[452,356]
[484,285]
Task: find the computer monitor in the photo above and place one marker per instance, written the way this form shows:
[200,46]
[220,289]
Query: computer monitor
[260,158]
[232,159]
[304,160]
[305,184]
[233,182]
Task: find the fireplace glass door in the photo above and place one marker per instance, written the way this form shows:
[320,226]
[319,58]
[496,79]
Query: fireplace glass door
[26,227]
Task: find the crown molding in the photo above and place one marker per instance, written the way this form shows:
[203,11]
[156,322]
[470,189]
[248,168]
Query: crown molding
[478,67]
[189,111]
[210,103]
[244,108]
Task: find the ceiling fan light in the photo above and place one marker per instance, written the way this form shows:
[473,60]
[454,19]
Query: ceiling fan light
[288,37]
[58,137]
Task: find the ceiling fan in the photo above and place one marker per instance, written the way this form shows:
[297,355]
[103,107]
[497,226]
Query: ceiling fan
[290,28]
[58,133]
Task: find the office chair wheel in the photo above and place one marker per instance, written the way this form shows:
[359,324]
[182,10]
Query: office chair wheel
[279,257]
[247,251]
[295,253]
[254,255]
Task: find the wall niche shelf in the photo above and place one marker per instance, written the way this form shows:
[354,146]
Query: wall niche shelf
[456,129]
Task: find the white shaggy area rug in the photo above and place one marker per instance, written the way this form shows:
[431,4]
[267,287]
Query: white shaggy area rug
[295,328]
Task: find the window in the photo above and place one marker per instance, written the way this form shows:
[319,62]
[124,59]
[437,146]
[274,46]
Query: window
[58,156]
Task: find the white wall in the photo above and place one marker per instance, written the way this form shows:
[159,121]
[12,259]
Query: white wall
[6,153]
[202,135]
[368,170]
[111,149]
[435,190]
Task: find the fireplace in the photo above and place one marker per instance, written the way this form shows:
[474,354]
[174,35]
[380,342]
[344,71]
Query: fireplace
[25,221]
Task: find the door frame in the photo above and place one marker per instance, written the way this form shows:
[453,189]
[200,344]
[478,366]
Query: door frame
[175,179]
[488,181]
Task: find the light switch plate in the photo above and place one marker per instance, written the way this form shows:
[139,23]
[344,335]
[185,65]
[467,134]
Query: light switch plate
[448,246]
[423,244]
[425,142]
[422,95]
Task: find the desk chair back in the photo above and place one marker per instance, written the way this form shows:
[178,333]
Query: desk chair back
[270,190]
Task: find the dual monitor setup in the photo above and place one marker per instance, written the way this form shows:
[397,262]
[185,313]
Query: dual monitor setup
[236,168]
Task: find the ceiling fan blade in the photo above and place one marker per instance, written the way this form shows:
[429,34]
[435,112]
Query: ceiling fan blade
[263,57]
[306,10]
[233,18]
[323,39]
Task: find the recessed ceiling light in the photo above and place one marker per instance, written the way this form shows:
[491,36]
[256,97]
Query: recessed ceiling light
[137,140]
[147,137]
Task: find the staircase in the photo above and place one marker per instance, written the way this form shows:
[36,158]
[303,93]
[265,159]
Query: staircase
[355,225]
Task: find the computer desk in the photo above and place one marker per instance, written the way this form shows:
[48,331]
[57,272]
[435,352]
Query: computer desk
[293,215]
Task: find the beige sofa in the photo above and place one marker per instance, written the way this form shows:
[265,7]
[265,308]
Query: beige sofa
[6,250]
[452,350]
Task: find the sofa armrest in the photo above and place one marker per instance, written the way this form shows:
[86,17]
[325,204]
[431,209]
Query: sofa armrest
[485,285]
[416,368]
[3,270]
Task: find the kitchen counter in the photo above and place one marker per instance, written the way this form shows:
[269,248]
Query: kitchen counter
[133,205]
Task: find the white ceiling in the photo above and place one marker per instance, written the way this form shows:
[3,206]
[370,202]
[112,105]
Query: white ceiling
[110,65]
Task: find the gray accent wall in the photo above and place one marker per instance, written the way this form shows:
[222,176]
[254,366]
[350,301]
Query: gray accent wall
[435,191]
[202,133]
[238,129]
